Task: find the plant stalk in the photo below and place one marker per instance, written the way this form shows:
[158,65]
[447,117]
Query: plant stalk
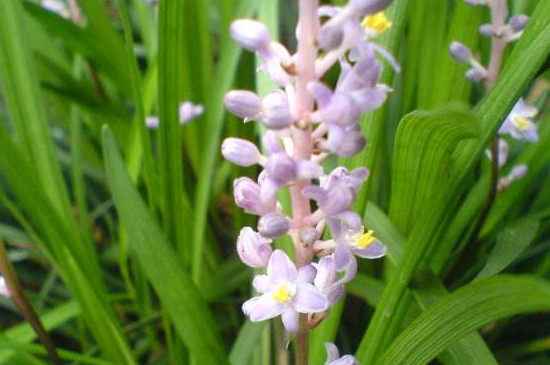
[24,306]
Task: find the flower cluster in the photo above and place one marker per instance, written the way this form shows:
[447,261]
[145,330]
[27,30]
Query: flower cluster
[187,112]
[519,123]
[505,33]
[343,37]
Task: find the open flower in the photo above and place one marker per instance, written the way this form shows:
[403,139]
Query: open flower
[333,356]
[286,292]
[519,123]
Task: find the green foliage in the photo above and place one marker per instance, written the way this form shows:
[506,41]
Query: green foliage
[124,236]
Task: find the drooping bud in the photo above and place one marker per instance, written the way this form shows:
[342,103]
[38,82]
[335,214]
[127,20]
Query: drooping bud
[276,112]
[250,34]
[240,152]
[243,103]
[253,249]
[460,52]
[273,225]
[518,22]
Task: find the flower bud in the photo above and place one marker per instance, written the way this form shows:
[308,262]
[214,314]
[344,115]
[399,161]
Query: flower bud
[460,52]
[247,196]
[276,113]
[518,172]
[189,111]
[240,152]
[281,168]
[152,122]
[250,34]
[476,2]
[243,103]
[330,37]
[338,200]
[345,143]
[486,30]
[253,249]
[518,22]
[273,225]
[369,6]
[476,74]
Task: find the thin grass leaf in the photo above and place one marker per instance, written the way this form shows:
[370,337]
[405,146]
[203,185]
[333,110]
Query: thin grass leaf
[179,295]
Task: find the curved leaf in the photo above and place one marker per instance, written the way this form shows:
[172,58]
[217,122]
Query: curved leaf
[464,311]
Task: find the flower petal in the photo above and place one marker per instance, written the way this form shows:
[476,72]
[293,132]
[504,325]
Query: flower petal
[346,360]
[306,274]
[290,320]
[280,267]
[262,308]
[332,352]
[308,299]
[262,283]
[373,251]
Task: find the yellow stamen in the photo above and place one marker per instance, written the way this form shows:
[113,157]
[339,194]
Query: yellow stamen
[521,123]
[366,239]
[282,294]
[377,23]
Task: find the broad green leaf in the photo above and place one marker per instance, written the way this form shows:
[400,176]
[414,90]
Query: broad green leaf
[179,295]
[511,243]
[422,163]
[467,309]
[470,350]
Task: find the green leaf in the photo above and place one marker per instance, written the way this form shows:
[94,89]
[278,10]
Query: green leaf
[467,309]
[422,160]
[246,342]
[511,243]
[178,294]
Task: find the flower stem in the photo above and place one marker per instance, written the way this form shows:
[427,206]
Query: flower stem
[302,342]
[306,56]
[23,305]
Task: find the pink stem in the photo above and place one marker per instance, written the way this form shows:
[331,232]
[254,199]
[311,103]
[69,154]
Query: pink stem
[306,57]
[499,13]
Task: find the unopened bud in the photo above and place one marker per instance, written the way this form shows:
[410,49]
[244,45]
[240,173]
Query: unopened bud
[281,168]
[189,111]
[518,22]
[240,152]
[486,30]
[243,103]
[250,34]
[247,196]
[476,74]
[273,225]
[460,52]
[253,249]
[276,113]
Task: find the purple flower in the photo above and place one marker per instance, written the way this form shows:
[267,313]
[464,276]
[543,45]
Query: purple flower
[328,280]
[333,356]
[285,291]
[519,123]
[187,112]
[247,194]
[243,103]
[273,225]
[253,249]
[460,52]
[240,152]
